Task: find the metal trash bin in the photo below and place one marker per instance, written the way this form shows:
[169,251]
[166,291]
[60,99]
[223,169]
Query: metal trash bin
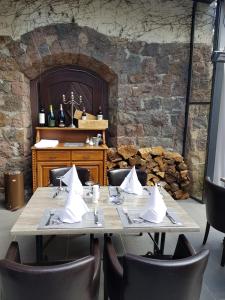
[14,190]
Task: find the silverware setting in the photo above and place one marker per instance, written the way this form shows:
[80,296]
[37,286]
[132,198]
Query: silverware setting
[49,219]
[140,220]
[125,211]
[171,218]
[115,195]
[96,218]
[55,194]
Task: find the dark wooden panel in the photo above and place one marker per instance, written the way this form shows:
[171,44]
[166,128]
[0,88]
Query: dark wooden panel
[49,87]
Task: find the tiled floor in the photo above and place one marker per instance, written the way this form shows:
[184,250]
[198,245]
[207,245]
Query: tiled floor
[214,280]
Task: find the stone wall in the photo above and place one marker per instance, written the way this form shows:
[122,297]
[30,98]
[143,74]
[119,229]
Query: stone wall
[147,81]
[162,21]
[15,117]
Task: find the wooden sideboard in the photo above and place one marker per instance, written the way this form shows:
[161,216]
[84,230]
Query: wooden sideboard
[91,157]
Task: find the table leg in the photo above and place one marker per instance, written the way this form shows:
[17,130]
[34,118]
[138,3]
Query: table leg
[39,248]
[162,242]
[156,239]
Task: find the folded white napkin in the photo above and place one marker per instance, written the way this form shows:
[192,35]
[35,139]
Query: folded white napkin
[74,208]
[71,179]
[131,184]
[155,210]
[46,144]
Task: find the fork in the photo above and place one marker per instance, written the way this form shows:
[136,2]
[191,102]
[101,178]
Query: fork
[96,219]
[171,218]
[49,219]
[126,214]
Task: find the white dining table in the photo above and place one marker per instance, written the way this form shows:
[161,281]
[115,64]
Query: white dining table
[28,223]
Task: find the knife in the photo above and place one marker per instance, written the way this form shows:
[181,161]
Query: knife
[56,193]
[96,216]
[171,218]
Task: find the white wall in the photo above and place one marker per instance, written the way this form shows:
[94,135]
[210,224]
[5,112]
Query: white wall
[148,20]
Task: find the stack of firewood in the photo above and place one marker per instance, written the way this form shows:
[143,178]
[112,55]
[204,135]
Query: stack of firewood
[160,165]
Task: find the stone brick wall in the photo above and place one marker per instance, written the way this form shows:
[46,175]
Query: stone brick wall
[147,88]
[15,117]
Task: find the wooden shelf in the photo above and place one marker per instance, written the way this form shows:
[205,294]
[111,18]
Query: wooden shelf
[91,157]
[69,129]
[68,134]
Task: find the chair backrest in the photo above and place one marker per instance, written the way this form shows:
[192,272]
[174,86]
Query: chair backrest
[139,277]
[68,281]
[116,177]
[83,174]
[78,279]
[214,198]
[160,279]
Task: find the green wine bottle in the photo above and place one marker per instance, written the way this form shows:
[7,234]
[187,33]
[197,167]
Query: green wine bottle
[51,117]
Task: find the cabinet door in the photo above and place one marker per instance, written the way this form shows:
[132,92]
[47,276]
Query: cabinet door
[95,168]
[43,169]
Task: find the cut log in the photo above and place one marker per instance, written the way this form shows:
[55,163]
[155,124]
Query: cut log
[169,179]
[132,161]
[110,165]
[185,184]
[122,164]
[173,155]
[160,162]
[126,151]
[180,195]
[155,169]
[171,169]
[136,160]
[161,174]
[151,183]
[174,186]
[113,155]
[150,176]
[151,164]
[160,165]
[156,179]
[145,153]
[169,161]
[167,187]
[182,166]
[184,175]
[157,151]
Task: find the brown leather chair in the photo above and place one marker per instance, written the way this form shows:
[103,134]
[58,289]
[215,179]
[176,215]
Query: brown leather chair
[83,174]
[116,177]
[133,277]
[214,198]
[78,279]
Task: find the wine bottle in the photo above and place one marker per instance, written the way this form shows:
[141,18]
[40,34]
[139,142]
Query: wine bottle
[61,117]
[84,115]
[100,114]
[41,117]
[51,117]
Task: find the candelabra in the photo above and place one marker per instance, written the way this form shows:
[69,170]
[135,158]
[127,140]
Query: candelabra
[73,103]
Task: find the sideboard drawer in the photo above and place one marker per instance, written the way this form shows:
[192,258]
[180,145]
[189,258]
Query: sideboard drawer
[87,155]
[53,155]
